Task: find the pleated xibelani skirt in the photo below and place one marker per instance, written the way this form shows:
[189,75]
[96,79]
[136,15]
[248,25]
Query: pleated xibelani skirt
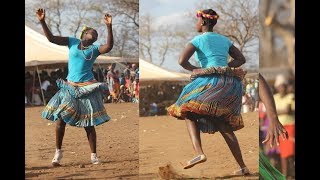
[213,99]
[79,106]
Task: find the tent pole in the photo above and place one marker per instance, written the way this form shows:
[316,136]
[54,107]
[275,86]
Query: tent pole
[100,69]
[33,84]
[44,100]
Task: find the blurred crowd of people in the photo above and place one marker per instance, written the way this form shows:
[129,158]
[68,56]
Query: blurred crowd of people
[283,156]
[155,97]
[250,97]
[123,86]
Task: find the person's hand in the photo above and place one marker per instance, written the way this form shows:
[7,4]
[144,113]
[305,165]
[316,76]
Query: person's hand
[275,130]
[108,19]
[41,14]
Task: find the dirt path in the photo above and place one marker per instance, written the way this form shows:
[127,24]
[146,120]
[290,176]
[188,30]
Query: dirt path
[117,147]
[164,144]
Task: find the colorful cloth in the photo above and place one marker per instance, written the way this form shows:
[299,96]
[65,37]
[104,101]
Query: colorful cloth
[79,106]
[267,171]
[283,103]
[213,98]
[287,147]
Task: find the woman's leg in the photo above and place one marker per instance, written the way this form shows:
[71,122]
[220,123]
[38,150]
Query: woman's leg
[92,138]
[194,134]
[60,128]
[234,147]
[284,166]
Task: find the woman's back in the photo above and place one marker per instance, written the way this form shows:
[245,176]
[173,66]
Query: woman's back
[212,49]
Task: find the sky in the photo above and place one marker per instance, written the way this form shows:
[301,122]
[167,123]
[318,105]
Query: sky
[167,12]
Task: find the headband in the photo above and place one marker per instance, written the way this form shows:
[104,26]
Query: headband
[84,28]
[209,16]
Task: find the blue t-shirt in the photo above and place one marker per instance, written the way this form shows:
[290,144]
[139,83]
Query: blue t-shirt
[212,49]
[80,62]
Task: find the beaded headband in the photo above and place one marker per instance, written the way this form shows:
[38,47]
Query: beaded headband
[209,16]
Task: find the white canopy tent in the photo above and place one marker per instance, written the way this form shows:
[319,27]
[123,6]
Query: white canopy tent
[152,72]
[42,54]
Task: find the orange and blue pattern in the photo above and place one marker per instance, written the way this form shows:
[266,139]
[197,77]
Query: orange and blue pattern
[213,97]
[79,106]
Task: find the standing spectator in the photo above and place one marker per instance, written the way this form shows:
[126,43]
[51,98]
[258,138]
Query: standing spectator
[127,70]
[285,104]
[255,98]
[113,82]
[122,79]
[44,86]
[246,102]
[133,71]
[45,83]
[136,85]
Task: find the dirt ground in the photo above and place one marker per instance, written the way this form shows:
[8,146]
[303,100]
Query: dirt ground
[164,145]
[117,147]
[130,147]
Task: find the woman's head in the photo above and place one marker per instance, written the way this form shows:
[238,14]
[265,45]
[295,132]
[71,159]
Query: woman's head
[89,34]
[208,18]
[281,83]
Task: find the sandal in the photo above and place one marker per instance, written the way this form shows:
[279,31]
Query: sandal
[199,159]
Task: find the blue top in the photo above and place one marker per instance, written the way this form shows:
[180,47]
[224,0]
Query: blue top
[80,61]
[212,49]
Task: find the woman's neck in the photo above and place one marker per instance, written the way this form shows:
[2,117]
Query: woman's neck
[206,30]
[85,44]
[282,94]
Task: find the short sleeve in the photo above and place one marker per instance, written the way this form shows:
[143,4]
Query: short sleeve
[195,42]
[229,42]
[96,51]
[73,41]
[292,101]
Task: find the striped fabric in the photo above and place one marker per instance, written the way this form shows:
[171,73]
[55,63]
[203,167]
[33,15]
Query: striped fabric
[214,100]
[77,106]
[82,83]
[227,71]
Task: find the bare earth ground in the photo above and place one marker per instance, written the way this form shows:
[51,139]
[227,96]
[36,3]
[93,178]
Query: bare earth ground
[117,147]
[164,144]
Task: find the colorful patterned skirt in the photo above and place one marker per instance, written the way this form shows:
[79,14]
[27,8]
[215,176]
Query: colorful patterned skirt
[79,106]
[213,99]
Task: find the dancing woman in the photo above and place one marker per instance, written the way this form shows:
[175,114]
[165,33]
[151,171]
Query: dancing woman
[79,102]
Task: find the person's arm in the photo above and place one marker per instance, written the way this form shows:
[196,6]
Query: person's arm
[64,41]
[107,47]
[238,58]
[275,128]
[185,56]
